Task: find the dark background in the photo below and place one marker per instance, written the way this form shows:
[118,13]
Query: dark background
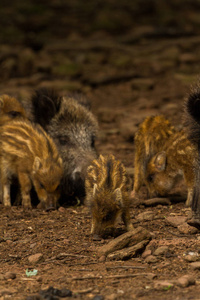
[35,23]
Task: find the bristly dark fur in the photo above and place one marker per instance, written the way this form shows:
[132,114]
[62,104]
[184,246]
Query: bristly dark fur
[45,100]
[192,115]
[192,126]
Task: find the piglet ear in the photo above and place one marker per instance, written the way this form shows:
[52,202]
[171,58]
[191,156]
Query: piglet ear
[1,102]
[60,161]
[45,103]
[118,197]
[37,164]
[94,189]
[160,161]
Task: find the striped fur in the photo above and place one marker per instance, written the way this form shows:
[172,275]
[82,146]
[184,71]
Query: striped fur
[106,193]
[167,167]
[150,138]
[29,154]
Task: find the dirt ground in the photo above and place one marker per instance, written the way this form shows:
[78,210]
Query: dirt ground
[127,78]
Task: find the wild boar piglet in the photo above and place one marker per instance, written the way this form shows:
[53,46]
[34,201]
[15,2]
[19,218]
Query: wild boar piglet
[167,167]
[150,138]
[28,153]
[107,194]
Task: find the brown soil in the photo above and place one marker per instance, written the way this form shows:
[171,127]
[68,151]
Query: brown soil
[126,79]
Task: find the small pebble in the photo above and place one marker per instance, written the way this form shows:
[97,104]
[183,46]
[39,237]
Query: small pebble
[186,280]
[61,209]
[191,258]
[161,250]
[163,285]
[102,258]
[10,275]
[151,259]
[195,265]
[35,258]
[146,253]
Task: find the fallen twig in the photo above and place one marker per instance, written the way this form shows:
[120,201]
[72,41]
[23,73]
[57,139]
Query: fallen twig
[83,264]
[125,267]
[151,275]
[63,255]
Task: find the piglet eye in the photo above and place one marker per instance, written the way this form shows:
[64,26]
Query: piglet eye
[41,186]
[63,140]
[58,188]
[150,177]
[107,217]
[14,114]
[92,141]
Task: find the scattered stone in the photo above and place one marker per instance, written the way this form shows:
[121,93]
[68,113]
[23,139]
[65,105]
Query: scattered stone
[10,275]
[151,259]
[176,221]
[146,216]
[187,229]
[33,245]
[61,209]
[195,265]
[102,258]
[35,258]
[192,256]
[163,285]
[9,242]
[127,239]
[146,253]
[161,250]
[186,280]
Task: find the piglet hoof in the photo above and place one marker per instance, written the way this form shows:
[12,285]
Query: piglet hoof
[132,195]
[7,205]
[27,207]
